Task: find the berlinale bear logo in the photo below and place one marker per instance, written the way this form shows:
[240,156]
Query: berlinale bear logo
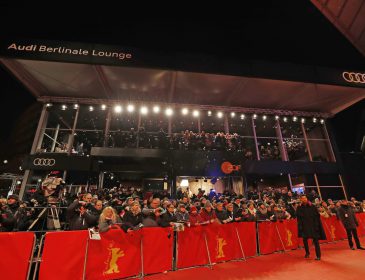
[113,257]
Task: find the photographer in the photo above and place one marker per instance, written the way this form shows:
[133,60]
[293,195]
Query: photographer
[79,216]
[182,214]
[152,213]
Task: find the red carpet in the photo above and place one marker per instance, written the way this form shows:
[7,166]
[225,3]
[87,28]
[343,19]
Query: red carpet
[338,262]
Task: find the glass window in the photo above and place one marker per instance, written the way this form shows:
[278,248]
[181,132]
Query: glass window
[328,180]
[85,140]
[269,148]
[290,128]
[296,149]
[248,146]
[62,115]
[181,123]
[306,180]
[212,123]
[320,150]
[240,125]
[315,130]
[332,193]
[55,140]
[91,118]
[265,126]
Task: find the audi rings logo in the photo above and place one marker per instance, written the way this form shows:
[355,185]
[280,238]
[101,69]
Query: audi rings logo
[352,77]
[44,162]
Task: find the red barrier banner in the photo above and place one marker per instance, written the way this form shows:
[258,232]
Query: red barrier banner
[288,230]
[269,238]
[334,229]
[247,234]
[16,251]
[157,249]
[222,242]
[328,229]
[63,255]
[361,219]
[116,255]
[191,248]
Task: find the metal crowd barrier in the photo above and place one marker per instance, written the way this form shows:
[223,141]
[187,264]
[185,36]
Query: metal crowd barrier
[37,259]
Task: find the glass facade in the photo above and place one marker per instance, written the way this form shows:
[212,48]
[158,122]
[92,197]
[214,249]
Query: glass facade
[76,129]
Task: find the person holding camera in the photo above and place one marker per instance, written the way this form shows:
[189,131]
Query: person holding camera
[310,226]
[79,215]
[350,223]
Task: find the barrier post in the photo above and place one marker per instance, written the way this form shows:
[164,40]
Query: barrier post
[175,251]
[31,258]
[239,241]
[142,270]
[85,261]
[258,238]
[281,241]
[38,256]
[206,245]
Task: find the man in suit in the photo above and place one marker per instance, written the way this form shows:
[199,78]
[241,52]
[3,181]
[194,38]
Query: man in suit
[309,226]
[349,221]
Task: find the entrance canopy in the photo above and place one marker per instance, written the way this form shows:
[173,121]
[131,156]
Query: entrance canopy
[72,72]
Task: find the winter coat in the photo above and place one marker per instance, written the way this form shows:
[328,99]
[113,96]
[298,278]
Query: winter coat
[309,222]
[347,217]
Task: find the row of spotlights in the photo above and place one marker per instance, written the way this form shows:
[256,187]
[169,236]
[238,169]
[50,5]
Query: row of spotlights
[185,111]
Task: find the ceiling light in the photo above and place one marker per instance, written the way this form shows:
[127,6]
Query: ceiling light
[118,109]
[156,109]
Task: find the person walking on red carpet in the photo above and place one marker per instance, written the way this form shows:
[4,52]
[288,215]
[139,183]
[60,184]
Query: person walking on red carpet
[310,226]
[349,221]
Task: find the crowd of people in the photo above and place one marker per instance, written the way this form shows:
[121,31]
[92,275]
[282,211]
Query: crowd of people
[131,209]
[184,140]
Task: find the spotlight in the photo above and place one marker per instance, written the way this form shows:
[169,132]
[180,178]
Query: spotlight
[48,104]
[103,107]
[144,110]
[322,121]
[209,113]
[314,120]
[242,116]
[219,114]
[302,120]
[76,106]
[63,107]
[130,108]
[285,119]
[185,111]
[233,114]
[91,108]
[295,119]
[168,112]
[264,117]
[156,109]
[254,116]
[195,113]
[276,117]
[18,182]
[39,180]
[5,161]
[118,109]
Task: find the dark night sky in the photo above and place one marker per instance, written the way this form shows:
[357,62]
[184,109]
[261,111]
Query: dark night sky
[291,31]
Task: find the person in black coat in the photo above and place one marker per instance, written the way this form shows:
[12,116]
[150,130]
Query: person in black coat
[309,225]
[133,218]
[349,221]
[169,217]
